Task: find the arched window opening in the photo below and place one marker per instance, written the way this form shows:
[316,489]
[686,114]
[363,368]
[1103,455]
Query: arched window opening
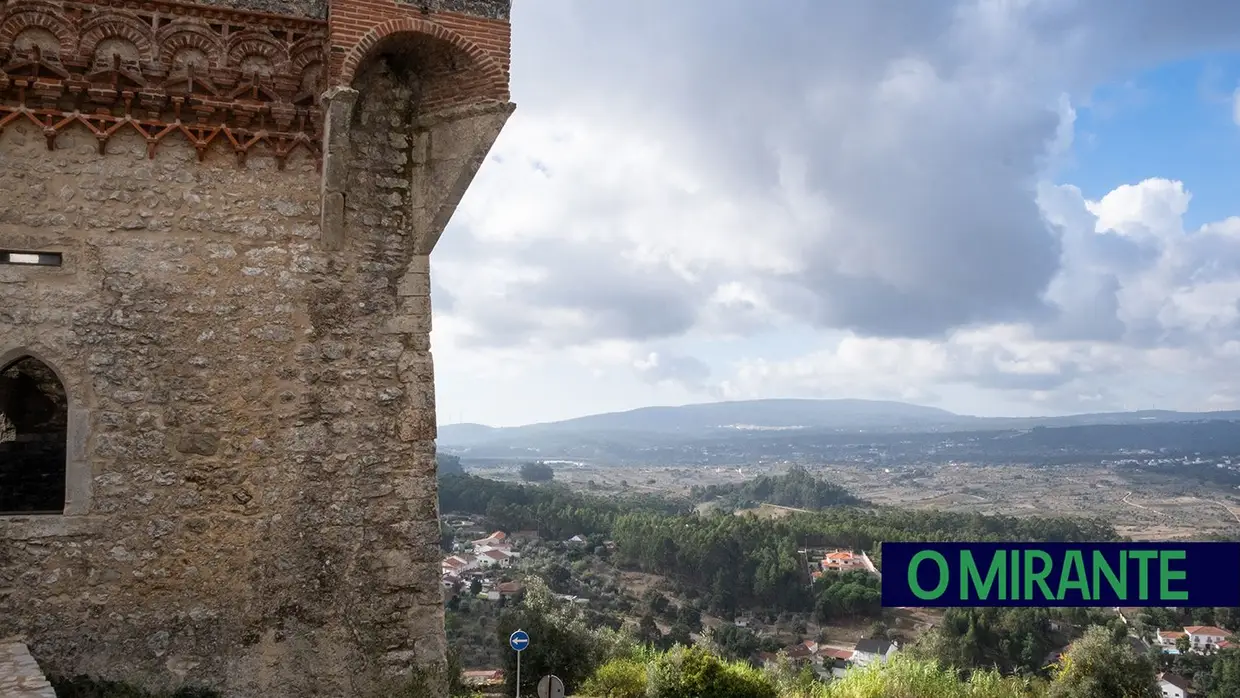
[34,431]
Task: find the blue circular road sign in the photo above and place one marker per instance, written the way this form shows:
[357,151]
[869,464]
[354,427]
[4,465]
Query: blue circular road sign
[519,640]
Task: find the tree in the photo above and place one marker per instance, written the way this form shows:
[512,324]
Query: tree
[618,678]
[475,587]
[447,537]
[537,472]
[562,640]
[447,465]
[1098,667]
[1182,644]
[1224,677]
[656,602]
[648,631]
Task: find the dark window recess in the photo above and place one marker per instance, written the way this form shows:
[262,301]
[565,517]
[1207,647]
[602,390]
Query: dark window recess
[34,430]
[32,259]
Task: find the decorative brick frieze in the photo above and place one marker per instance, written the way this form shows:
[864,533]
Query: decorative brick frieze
[164,69]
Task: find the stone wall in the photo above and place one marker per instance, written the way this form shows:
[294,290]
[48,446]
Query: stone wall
[241,325]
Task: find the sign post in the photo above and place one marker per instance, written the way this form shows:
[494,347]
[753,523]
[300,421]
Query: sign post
[551,687]
[518,641]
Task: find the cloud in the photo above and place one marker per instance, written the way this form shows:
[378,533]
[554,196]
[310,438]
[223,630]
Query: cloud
[1235,106]
[679,174]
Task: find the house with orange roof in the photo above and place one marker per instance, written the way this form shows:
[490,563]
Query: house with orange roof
[1168,638]
[483,677]
[1201,638]
[1205,638]
[457,564]
[841,561]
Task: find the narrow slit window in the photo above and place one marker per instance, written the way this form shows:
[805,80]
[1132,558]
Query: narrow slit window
[31,259]
[34,419]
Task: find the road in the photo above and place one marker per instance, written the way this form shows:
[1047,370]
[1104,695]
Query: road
[1141,506]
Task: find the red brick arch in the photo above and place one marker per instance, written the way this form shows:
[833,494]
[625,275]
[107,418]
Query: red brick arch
[491,70]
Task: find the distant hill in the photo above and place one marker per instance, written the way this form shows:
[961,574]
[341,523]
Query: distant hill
[784,428]
[706,417]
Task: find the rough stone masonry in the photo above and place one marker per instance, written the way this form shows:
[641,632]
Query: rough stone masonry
[243,196]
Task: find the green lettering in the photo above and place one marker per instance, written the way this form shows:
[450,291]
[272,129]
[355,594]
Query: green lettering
[1103,568]
[1039,577]
[944,576]
[970,573]
[1073,564]
[1143,578]
[1166,575]
[1015,580]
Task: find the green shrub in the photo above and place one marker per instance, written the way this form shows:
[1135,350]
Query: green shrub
[618,678]
[693,673]
[905,677]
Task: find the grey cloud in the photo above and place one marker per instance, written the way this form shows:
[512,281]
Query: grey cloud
[684,370]
[617,298]
[933,223]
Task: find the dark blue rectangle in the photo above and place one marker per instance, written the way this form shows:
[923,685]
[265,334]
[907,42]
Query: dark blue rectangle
[1210,574]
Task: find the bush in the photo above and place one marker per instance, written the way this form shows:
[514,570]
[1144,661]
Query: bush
[693,673]
[618,678]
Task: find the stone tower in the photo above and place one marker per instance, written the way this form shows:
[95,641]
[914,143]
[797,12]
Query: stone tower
[217,411]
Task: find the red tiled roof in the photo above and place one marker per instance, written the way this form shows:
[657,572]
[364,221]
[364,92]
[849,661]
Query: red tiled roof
[835,653]
[483,676]
[1205,630]
[1174,634]
[497,554]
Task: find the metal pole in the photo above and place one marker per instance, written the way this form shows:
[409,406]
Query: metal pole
[518,675]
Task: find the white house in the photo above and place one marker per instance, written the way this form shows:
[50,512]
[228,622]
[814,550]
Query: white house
[1205,638]
[494,558]
[458,564]
[873,650]
[1173,685]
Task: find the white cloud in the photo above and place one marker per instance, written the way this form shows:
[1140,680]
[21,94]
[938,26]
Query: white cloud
[867,181]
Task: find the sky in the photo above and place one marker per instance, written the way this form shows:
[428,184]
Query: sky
[996,207]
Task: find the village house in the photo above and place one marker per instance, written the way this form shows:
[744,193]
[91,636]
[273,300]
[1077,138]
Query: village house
[495,540]
[841,561]
[494,558]
[459,564]
[802,650]
[873,650]
[1168,638]
[1201,638]
[1205,638]
[1173,685]
[483,677]
[509,589]
[833,662]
